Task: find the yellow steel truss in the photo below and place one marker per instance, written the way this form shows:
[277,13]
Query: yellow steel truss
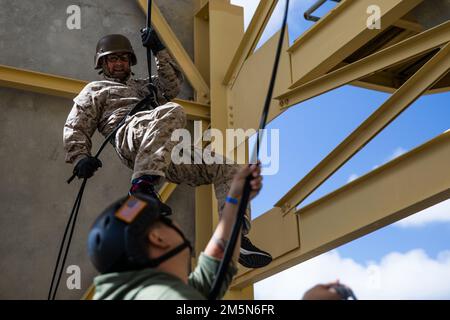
[225,64]
[178,52]
[68,88]
[397,53]
[406,185]
[429,74]
[341,32]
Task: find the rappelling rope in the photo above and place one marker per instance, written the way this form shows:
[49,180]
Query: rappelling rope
[70,227]
[224,265]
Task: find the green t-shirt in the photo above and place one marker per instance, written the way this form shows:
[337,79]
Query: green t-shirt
[151,284]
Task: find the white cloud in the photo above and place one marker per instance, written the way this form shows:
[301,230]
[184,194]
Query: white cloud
[249,9]
[397,153]
[411,275]
[438,213]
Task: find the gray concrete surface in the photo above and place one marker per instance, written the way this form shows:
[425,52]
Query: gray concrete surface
[35,201]
[34,35]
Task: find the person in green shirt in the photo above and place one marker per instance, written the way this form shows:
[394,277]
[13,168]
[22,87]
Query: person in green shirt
[143,255]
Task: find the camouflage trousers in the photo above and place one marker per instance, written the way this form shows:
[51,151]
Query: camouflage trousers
[144,144]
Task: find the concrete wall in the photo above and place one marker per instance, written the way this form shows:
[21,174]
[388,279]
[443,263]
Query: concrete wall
[35,200]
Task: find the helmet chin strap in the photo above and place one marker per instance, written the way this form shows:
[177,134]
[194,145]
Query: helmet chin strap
[185,244]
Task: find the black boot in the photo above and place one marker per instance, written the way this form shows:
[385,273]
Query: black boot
[146,185]
[252,257]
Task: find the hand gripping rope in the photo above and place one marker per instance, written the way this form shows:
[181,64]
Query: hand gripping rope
[59,266]
[246,194]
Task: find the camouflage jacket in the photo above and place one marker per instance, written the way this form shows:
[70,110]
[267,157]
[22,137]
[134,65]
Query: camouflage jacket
[103,104]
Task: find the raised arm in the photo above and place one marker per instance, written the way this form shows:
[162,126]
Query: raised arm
[204,274]
[169,77]
[222,234]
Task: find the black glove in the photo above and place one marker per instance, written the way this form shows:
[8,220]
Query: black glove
[151,40]
[86,167]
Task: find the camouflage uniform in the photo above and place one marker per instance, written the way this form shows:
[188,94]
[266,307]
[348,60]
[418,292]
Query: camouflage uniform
[143,142]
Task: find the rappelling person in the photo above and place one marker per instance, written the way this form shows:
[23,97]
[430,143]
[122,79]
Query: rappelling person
[143,255]
[143,141]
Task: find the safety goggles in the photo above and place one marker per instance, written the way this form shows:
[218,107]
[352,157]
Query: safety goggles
[113,58]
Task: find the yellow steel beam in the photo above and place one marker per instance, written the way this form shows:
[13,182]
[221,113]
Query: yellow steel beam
[89,294]
[250,39]
[200,4]
[178,52]
[340,33]
[203,216]
[430,73]
[226,28]
[404,186]
[409,25]
[68,88]
[201,42]
[243,294]
[204,208]
[39,82]
[398,38]
[246,98]
[383,59]
[195,110]
[166,191]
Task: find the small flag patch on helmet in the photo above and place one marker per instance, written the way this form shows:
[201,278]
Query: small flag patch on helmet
[130,209]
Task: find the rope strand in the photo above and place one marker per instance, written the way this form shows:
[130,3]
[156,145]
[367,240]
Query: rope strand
[224,265]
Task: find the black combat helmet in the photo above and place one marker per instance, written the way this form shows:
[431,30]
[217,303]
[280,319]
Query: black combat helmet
[113,43]
[118,239]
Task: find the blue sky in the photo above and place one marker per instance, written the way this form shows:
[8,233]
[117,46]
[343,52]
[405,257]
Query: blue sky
[308,132]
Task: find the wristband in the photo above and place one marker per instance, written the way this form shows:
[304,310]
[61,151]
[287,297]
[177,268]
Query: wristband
[231,200]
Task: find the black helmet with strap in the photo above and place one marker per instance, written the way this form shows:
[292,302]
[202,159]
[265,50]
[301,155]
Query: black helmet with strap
[113,43]
[118,239]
